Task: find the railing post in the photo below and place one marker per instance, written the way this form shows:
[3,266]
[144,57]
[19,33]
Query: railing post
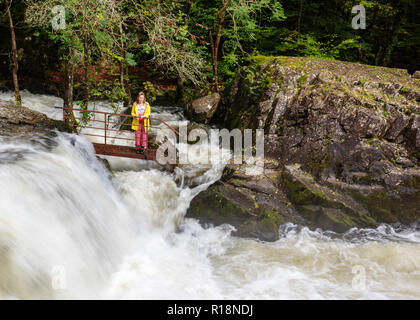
[105,126]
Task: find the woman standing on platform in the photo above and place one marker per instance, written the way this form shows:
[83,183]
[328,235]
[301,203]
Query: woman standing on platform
[141,122]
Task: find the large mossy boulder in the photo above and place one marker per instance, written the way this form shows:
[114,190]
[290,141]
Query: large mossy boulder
[343,140]
[254,205]
[225,204]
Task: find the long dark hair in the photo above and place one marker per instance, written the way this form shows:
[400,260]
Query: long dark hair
[141,93]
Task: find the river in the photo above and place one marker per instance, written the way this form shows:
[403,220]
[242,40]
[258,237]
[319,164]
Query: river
[71,230]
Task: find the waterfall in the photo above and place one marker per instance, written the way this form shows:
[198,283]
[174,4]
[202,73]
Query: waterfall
[69,229]
[58,209]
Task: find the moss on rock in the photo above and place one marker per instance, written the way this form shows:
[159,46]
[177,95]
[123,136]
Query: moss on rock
[210,206]
[268,225]
[321,206]
[352,129]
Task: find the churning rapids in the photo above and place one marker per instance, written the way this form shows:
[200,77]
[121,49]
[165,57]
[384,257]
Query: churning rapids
[69,229]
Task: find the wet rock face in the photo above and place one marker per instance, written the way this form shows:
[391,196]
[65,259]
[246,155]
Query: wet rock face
[248,204]
[202,109]
[22,121]
[413,135]
[342,141]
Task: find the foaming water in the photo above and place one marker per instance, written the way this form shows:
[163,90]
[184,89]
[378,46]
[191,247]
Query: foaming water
[40,102]
[210,264]
[69,229]
[58,210]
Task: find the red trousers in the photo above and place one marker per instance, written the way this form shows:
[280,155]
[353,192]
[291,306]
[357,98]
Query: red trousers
[141,135]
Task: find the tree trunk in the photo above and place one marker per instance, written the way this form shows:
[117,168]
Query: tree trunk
[215,44]
[300,16]
[359,48]
[18,98]
[392,42]
[214,60]
[122,77]
[127,92]
[123,70]
[68,115]
[86,76]
[179,88]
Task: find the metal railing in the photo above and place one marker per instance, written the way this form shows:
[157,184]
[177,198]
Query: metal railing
[107,122]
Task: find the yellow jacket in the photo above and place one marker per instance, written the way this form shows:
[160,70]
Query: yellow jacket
[146,114]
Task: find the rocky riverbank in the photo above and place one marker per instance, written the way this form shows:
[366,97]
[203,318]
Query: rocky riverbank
[342,148]
[22,121]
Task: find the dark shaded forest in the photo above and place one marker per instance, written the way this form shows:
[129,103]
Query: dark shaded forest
[103,45]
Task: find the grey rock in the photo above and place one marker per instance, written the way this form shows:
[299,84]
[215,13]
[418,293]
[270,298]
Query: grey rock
[202,109]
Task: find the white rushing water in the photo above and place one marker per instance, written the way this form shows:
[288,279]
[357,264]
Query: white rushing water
[68,229]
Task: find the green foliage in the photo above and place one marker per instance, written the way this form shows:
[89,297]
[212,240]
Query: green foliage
[175,36]
[151,91]
[110,91]
[301,81]
[130,59]
[306,45]
[257,77]
[85,116]
[172,46]
[404,90]
[323,29]
[244,25]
